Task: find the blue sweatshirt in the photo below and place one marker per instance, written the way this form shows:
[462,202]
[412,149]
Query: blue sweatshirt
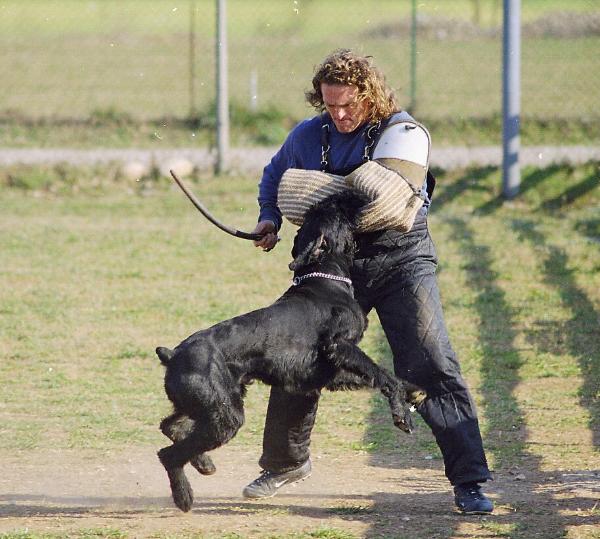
[302,149]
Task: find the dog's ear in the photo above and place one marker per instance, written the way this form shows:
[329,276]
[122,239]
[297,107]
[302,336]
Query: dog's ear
[164,354]
[295,246]
[313,251]
[320,246]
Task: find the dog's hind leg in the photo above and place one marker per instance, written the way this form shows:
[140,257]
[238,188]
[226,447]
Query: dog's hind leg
[181,490]
[177,427]
[204,436]
[203,464]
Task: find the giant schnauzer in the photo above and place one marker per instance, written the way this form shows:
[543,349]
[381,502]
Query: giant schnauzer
[305,341]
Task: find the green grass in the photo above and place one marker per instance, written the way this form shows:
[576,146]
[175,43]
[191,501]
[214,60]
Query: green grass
[67,59]
[112,129]
[95,274]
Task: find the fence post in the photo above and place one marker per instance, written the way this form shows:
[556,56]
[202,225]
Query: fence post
[253,88]
[192,66]
[413,58]
[511,98]
[222,90]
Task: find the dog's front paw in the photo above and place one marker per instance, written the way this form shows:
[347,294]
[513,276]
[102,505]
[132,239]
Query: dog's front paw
[403,421]
[402,415]
[401,411]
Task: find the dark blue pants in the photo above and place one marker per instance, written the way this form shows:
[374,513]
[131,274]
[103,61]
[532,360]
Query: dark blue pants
[395,275]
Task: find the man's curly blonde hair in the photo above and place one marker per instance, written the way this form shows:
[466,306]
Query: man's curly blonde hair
[345,67]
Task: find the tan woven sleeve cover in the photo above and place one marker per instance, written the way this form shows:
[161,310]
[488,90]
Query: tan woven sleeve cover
[394,202]
[299,190]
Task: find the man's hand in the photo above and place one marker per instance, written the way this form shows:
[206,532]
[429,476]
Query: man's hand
[270,238]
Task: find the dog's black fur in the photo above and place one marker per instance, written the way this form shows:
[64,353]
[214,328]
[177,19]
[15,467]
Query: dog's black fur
[305,341]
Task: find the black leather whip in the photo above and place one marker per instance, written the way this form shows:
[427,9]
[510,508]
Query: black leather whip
[200,207]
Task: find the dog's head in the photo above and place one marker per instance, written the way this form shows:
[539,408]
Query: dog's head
[328,229]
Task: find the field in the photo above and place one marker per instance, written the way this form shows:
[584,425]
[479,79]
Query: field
[97,272]
[68,59]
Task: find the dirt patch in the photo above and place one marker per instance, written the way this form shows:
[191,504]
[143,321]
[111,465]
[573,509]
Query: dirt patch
[65,493]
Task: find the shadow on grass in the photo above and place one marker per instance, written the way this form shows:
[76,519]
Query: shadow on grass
[533,179]
[505,433]
[480,189]
[418,514]
[589,228]
[530,182]
[581,331]
[471,180]
[572,194]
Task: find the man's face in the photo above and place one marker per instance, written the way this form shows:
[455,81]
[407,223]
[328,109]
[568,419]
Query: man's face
[341,102]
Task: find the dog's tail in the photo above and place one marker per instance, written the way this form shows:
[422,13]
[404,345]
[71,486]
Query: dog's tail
[164,354]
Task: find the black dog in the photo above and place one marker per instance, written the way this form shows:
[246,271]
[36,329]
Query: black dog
[305,341]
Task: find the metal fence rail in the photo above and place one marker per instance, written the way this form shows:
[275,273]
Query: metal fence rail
[156,58]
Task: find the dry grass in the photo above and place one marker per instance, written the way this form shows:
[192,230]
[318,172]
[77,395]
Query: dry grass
[91,282]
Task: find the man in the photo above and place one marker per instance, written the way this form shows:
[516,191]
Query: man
[393,272]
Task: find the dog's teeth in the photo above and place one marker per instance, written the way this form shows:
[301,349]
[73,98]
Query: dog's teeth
[412,408]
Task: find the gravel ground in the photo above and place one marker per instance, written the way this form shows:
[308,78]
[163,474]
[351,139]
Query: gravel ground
[254,159]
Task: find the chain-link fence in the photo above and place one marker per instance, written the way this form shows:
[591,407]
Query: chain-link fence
[156,58]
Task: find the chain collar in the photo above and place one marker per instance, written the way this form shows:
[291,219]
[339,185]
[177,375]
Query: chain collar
[297,280]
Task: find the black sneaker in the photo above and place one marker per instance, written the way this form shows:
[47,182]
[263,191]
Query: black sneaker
[471,501]
[267,484]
